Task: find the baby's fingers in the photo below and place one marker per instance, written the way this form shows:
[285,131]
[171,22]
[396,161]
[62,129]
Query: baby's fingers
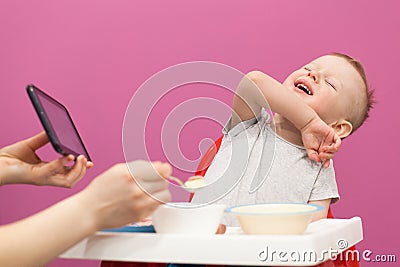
[325,159]
[326,164]
[330,149]
[336,142]
[221,229]
[313,155]
[334,147]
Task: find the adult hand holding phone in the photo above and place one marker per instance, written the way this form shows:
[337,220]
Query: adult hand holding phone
[19,164]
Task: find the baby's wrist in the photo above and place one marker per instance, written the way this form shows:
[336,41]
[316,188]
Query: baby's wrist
[309,122]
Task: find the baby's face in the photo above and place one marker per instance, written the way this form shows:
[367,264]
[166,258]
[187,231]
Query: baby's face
[329,85]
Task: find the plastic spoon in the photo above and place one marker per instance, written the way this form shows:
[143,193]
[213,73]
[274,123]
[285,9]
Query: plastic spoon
[191,185]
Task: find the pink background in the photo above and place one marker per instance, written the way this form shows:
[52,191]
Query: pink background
[93,55]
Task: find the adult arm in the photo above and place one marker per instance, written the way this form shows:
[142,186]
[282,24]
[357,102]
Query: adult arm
[113,199]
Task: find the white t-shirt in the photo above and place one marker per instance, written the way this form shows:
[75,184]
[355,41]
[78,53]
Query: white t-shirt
[255,165]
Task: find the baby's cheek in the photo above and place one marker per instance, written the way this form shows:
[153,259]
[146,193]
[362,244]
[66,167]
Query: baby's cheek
[287,84]
[289,81]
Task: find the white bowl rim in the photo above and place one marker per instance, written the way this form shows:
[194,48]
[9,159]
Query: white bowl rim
[190,205]
[231,209]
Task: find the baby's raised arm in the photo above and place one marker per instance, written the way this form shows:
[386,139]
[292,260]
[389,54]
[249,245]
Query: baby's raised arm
[258,90]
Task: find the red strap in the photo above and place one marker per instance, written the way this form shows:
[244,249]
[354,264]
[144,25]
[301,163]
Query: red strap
[207,159]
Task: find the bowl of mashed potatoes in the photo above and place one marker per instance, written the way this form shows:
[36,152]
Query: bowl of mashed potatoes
[274,218]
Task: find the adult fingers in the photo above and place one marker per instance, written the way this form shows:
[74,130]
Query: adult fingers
[164,169]
[142,170]
[37,141]
[162,196]
[147,204]
[146,175]
[146,171]
[77,172]
[54,167]
[153,187]
[89,164]
[65,176]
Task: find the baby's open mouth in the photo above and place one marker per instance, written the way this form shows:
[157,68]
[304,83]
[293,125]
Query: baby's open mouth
[303,88]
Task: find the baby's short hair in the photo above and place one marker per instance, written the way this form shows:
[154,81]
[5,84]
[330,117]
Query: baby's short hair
[368,102]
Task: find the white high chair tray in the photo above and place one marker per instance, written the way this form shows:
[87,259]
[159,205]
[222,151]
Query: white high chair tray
[322,240]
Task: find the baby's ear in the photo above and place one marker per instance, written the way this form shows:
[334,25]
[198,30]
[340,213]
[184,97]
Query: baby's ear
[342,128]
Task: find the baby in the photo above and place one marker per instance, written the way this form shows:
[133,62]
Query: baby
[288,158]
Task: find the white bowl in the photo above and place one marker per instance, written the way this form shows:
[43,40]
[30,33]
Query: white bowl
[274,219]
[187,218]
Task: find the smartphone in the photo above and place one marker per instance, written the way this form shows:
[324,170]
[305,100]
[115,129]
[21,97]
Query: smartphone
[57,123]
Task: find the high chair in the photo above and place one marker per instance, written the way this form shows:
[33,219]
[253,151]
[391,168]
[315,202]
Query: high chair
[201,170]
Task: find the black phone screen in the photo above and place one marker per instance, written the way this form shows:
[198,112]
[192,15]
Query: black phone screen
[57,123]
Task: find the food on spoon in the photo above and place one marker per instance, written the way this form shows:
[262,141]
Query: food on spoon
[195,182]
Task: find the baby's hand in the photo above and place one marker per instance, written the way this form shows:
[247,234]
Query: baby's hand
[221,229]
[320,140]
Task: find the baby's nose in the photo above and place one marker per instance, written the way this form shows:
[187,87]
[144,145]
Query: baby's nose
[313,75]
